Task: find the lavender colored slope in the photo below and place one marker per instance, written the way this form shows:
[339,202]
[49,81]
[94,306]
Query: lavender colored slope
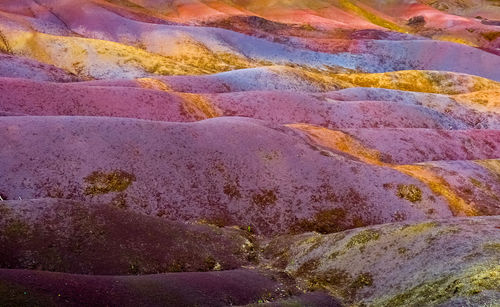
[405,146]
[34,98]
[291,107]
[440,103]
[432,55]
[241,171]
[19,67]
[251,79]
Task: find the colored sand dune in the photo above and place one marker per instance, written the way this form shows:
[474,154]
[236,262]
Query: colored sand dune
[274,153]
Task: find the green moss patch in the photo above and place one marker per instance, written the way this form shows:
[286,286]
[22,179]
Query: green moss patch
[102,182]
[308,267]
[339,282]
[409,192]
[418,228]
[435,292]
[362,280]
[362,238]
[492,247]
[336,278]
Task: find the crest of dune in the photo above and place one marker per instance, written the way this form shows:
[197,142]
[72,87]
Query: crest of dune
[249,152]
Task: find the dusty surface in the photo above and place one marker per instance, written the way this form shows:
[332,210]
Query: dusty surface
[275,153]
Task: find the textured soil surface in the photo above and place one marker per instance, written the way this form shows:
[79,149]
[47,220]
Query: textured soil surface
[249,153]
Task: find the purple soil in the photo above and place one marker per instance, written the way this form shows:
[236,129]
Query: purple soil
[241,171]
[103,182]
[182,84]
[440,103]
[243,80]
[290,107]
[34,98]
[72,237]
[19,67]
[237,287]
[431,55]
[404,146]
